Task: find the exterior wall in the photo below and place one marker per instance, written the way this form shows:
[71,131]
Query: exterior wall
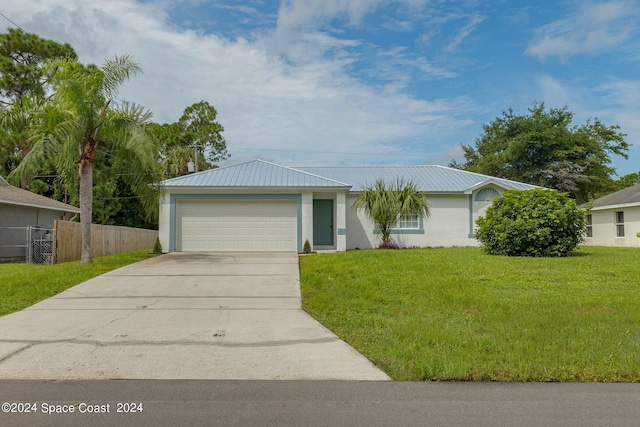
[448,225]
[604,227]
[452,220]
[24,216]
[166,222]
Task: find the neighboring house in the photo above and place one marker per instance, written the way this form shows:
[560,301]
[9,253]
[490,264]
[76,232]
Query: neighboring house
[258,206]
[614,220]
[22,208]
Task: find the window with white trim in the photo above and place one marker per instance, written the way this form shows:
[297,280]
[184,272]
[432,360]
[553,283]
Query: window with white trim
[589,221]
[620,224]
[408,222]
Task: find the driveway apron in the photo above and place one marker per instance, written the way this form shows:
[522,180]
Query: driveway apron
[190,315]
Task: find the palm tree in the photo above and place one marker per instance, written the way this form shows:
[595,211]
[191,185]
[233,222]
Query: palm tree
[385,203]
[83,117]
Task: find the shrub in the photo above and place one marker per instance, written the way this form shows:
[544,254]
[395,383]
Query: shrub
[385,202]
[157,247]
[307,247]
[531,223]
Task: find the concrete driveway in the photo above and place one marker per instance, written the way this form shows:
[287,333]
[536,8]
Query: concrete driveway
[180,316]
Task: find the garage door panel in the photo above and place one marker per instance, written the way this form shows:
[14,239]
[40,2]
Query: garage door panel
[215,225]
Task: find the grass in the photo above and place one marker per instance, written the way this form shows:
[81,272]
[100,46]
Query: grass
[458,314]
[23,285]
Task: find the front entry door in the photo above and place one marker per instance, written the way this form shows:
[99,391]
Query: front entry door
[323,222]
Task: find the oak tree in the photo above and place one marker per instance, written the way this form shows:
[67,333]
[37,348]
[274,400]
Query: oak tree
[545,148]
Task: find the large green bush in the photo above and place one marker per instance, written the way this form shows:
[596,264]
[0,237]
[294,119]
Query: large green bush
[531,223]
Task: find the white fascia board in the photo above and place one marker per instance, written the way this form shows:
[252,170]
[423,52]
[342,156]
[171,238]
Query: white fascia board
[34,205]
[481,184]
[618,206]
[190,188]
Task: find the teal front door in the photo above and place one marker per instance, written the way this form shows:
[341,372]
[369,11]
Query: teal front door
[323,222]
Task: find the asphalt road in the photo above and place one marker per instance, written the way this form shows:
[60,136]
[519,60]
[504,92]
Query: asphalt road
[316,403]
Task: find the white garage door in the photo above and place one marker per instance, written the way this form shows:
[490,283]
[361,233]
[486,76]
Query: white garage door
[238,225]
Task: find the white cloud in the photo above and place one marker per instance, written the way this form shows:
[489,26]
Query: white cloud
[621,92]
[464,32]
[592,28]
[554,92]
[453,153]
[289,107]
[295,14]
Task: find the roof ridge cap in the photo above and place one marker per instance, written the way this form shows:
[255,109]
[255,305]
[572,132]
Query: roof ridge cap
[368,166]
[307,173]
[212,169]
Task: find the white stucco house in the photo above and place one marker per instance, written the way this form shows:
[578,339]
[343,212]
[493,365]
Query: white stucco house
[614,220]
[258,206]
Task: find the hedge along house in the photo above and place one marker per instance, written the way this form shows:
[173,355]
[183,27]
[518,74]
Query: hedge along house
[614,219]
[262,206]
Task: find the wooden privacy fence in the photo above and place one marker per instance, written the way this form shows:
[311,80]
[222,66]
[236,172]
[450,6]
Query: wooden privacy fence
[105,240]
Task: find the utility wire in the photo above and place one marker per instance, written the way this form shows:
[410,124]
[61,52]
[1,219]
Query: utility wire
[5,17]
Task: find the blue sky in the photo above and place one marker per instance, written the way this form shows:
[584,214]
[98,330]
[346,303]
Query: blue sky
[310,82]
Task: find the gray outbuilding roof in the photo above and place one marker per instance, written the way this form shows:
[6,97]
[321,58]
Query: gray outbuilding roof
[17,196]
[629,195]
[258,173]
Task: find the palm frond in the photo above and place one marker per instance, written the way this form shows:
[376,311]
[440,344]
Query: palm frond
[117,71]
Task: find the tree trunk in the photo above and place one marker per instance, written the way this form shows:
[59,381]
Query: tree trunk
[86,208]
[25,182]
[26,179]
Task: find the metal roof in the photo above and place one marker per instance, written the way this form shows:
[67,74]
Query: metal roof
[428,178]
[625,196]
[256,173]
[17,196]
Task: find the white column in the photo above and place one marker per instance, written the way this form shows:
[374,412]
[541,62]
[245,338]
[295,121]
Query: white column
[164,222]
[341,221]
[307,217]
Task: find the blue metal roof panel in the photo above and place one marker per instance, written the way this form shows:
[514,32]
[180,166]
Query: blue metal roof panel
[257,173]
[429,178]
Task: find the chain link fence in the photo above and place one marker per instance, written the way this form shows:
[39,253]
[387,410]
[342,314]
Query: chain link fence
[33,244]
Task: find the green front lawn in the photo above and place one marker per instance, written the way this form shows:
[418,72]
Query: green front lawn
[458,314]
[22,285]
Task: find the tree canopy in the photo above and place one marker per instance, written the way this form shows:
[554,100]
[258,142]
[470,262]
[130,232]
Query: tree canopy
[626,181]
[196,136]
[84,119]
[23,70]
[544,148]
[38,107]
[25,80]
